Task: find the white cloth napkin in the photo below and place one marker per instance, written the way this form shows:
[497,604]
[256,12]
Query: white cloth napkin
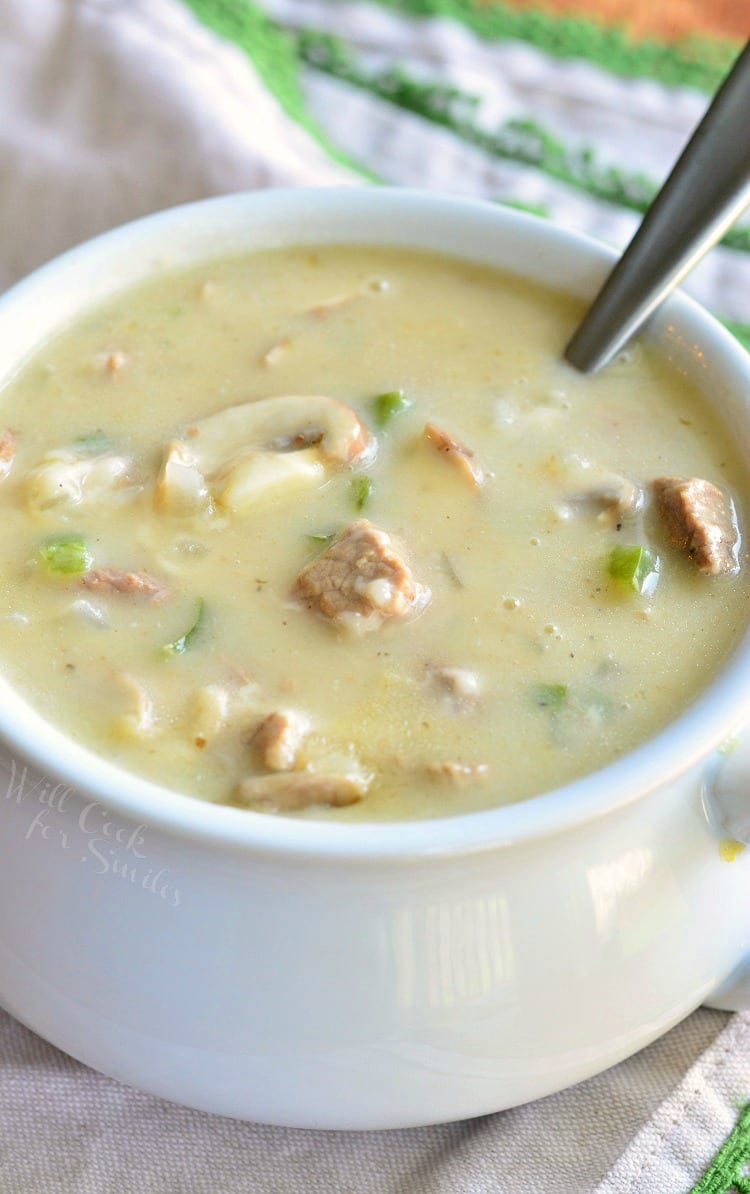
[112,109]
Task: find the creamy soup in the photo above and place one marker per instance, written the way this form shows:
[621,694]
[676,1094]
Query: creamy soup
[335,533]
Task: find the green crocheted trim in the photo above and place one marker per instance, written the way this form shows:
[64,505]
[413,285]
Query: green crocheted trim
[729,1172]
[273,54]
[692,62]
[523,141]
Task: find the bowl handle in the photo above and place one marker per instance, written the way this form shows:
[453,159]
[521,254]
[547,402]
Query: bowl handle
[734,994]
[726,803]
[725,790]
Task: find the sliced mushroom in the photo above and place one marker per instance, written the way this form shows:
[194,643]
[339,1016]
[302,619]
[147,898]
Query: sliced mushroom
[244,452]
[181,486]
[65,477]
[596,490]
[292,791]
[462,457]
[616,498]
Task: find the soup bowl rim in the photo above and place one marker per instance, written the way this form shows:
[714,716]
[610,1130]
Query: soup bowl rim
[722,706]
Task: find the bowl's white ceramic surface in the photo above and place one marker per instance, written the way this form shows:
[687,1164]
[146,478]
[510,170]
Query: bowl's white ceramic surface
[351,976]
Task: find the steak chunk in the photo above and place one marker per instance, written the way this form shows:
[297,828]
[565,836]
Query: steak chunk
[700,519]
[278,738]
[360,581]
[115,580]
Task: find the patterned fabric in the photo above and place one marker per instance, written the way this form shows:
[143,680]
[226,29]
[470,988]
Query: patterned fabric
[490,101]
[702,1131]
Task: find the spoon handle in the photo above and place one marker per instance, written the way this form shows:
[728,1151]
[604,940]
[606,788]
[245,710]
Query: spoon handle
[707,190]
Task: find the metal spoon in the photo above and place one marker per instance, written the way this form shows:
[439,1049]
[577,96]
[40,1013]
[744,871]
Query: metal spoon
[707,190]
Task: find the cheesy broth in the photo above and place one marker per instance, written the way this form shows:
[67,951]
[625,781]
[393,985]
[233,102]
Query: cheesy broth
[520,664]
